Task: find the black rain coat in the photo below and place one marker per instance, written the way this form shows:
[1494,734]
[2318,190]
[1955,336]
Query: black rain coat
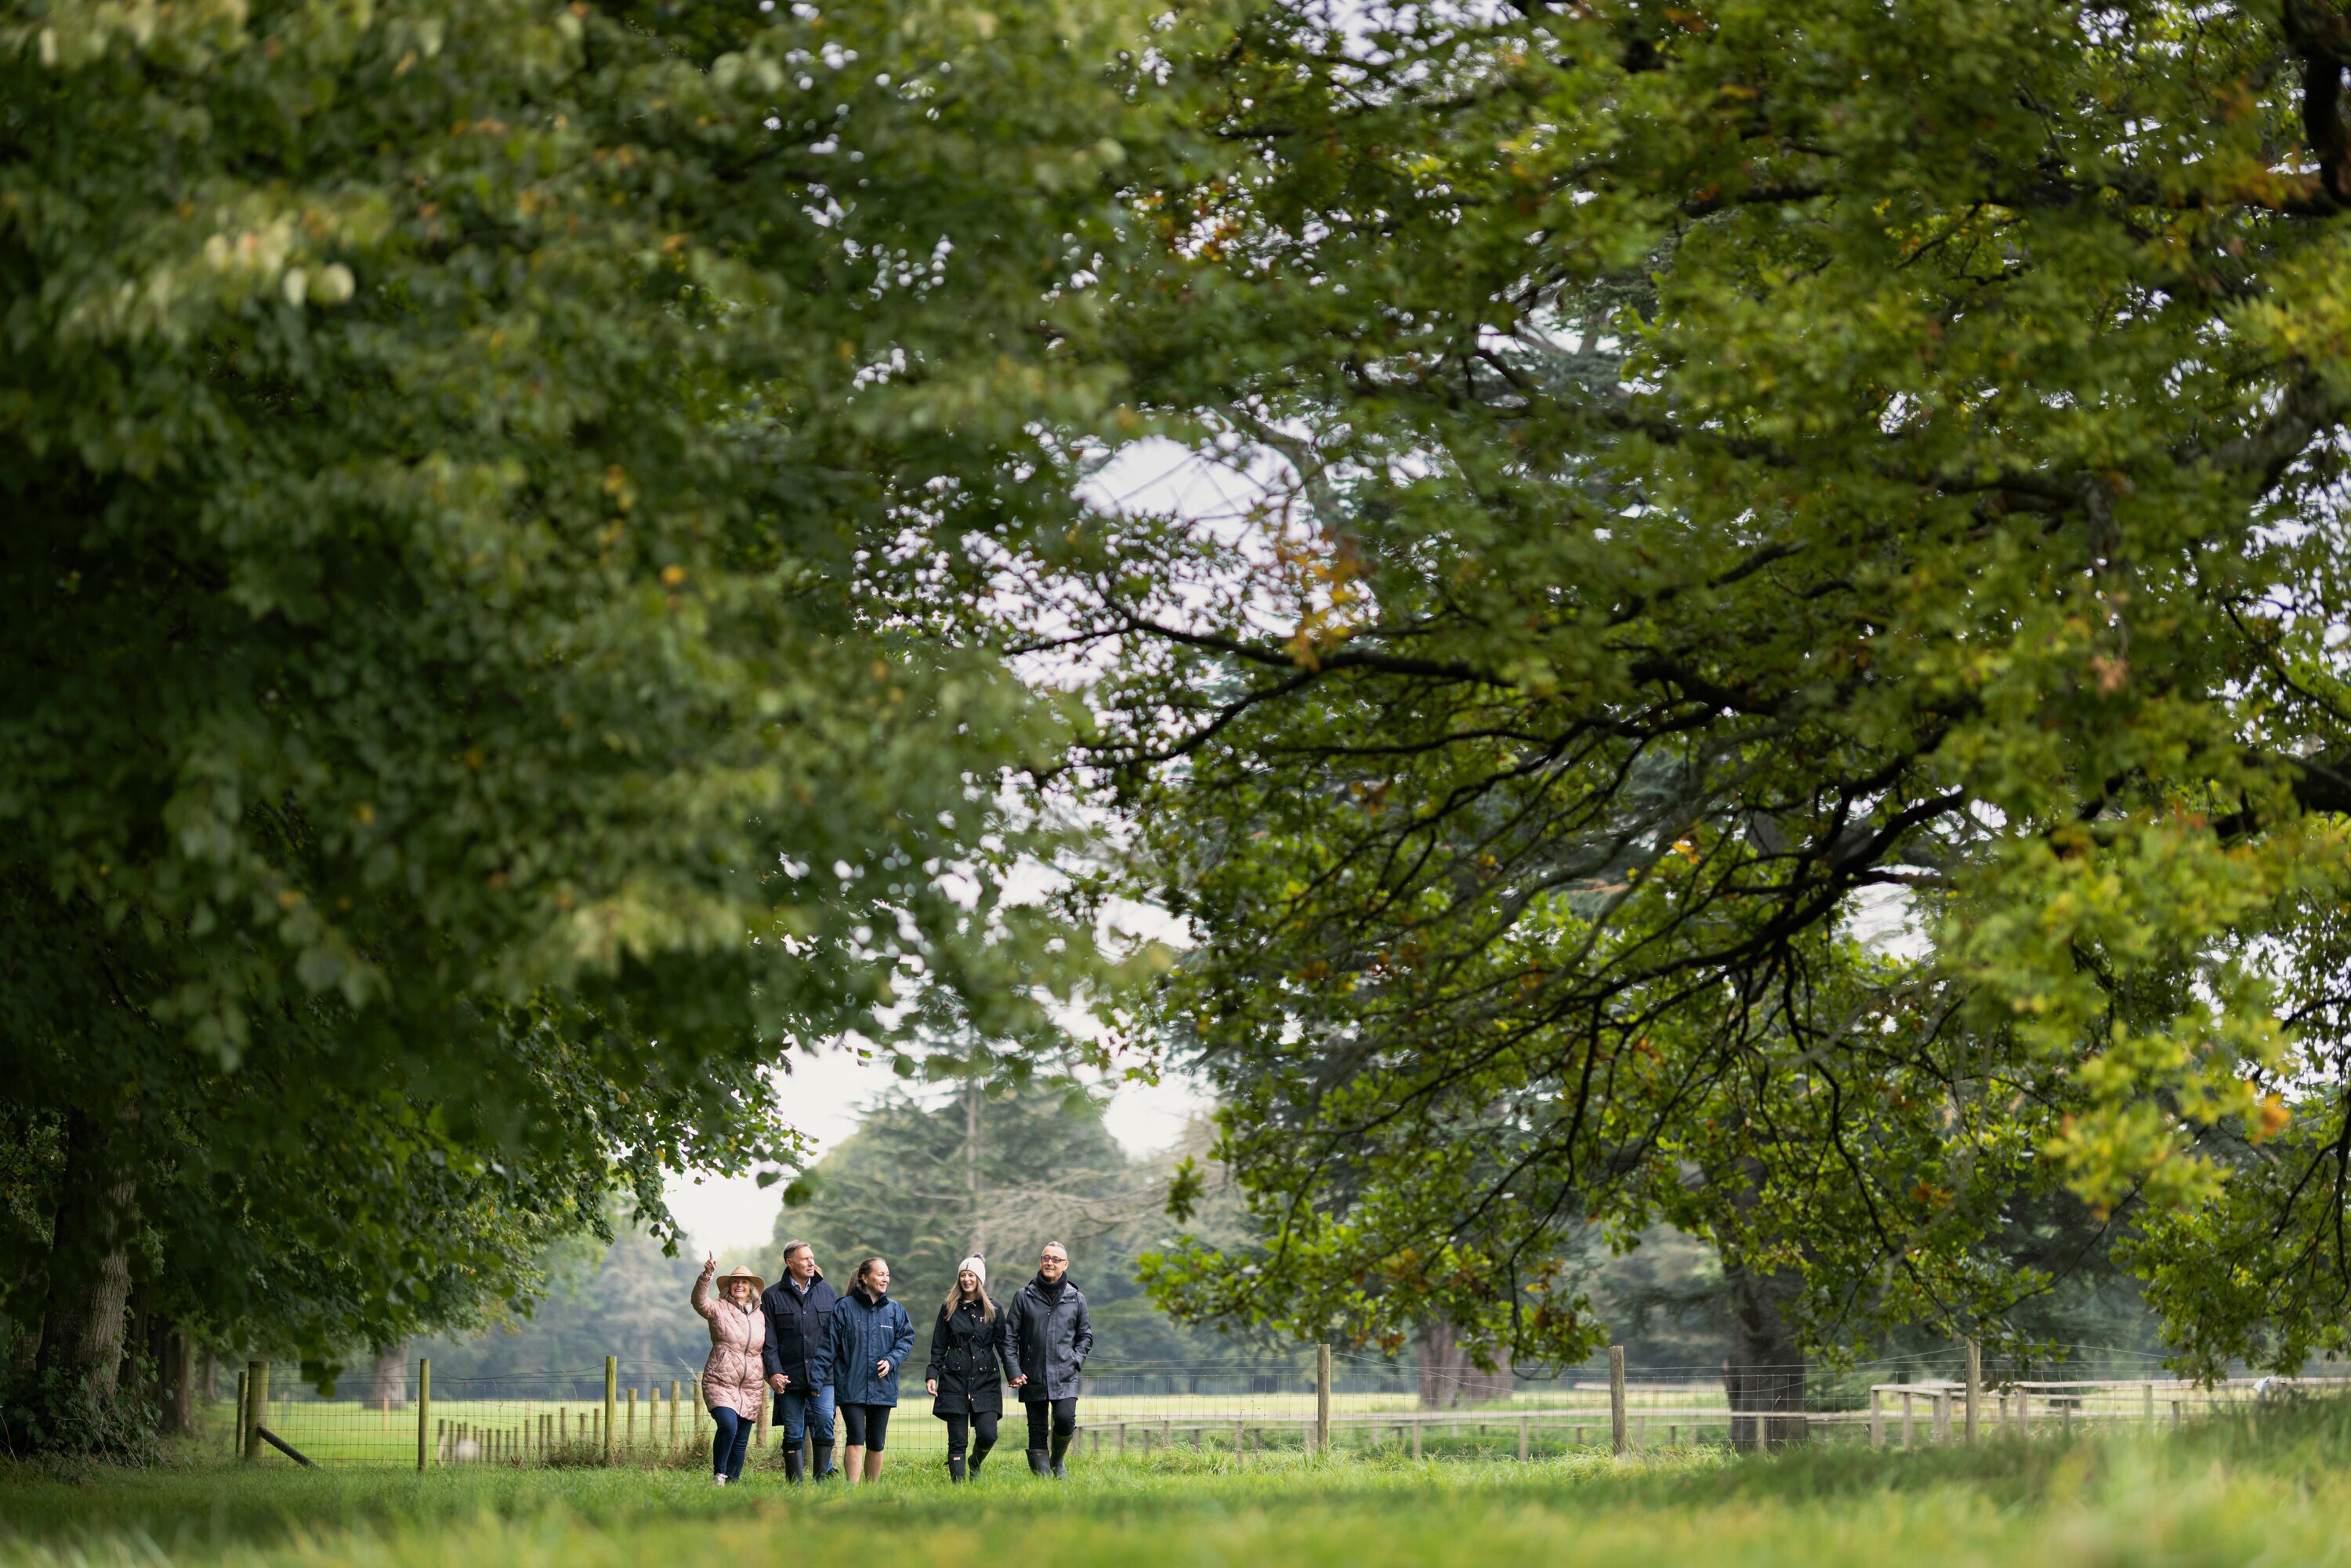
[967,1362]
[1047,1341]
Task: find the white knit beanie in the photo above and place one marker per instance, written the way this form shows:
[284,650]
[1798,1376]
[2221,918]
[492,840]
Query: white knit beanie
[976,1264]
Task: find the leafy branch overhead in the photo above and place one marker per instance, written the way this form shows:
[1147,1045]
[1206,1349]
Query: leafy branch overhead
[1799,471]
[479,477]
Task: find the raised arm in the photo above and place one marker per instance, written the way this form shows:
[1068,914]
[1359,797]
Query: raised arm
[701,1297]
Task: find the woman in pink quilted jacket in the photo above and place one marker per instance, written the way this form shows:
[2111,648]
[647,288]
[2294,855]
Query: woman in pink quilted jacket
[732,1383]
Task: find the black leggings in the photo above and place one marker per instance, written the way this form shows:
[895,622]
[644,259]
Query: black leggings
[868,1426]
[1062,1413]
[980,1422]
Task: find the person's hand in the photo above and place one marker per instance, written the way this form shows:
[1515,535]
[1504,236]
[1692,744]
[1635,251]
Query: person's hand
[710,1264]
[881,1369]
[1020,1380]
[778,1382]
[931,1386]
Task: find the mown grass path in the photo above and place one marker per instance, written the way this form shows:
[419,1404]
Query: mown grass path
[2276,1489]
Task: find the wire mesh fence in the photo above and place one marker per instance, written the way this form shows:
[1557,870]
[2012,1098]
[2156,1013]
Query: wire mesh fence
[625,1414]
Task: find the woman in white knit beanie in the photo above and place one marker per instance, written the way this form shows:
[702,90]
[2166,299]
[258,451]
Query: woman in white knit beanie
[968,1368]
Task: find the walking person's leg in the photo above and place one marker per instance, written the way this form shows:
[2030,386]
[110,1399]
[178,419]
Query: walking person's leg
[822,1413]
[958,1427]
[852,1446]
[735,1455]
[877,1433]
[1065,1427]
[1040,1418]
[792,1414]
[723,1441]
[983,1427]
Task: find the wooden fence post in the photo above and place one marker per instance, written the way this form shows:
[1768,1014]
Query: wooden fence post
[1975,1383]
[1323,1399]
[611,1397]
[1616,1397]
[424,1412]
[1876,1419]
[256,1399]
[673,1412]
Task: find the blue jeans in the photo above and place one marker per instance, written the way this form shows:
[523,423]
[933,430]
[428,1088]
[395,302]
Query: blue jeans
[800,1410]
[726,1448]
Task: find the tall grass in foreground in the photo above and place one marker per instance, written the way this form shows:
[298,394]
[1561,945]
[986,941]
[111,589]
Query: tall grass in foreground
[2275,1488]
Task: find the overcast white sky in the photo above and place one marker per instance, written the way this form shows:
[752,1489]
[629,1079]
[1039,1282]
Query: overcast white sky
[732,1216]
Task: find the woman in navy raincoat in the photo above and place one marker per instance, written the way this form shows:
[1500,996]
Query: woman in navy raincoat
[871,1338]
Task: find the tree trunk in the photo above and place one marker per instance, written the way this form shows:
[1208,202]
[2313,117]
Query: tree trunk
[175,1382]
[1448,1377]
[90,1256]
[1765,1371]
[1441,1364]
[387,1378]
[131,1371]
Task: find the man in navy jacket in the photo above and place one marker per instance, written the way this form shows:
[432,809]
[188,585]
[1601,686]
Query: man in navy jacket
[799,1315]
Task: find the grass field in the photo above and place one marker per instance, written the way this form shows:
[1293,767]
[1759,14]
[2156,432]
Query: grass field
[344,1432]
[2277,1490]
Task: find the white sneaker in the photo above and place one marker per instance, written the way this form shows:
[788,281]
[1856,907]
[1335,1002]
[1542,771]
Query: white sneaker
[718,1480]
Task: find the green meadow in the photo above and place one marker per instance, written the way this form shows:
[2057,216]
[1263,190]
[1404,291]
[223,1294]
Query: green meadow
[2274,1488]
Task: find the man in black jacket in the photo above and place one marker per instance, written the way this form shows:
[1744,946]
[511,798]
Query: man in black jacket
[800,1314]
[1047,1339]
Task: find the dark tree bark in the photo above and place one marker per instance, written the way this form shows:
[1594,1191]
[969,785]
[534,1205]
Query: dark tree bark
[136,1365]
[1448,1377]
[90,1256]
[175,1382]
[387,1378]
[1765,1371]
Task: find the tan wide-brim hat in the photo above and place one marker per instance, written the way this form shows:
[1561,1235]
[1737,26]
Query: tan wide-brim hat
[724,1283]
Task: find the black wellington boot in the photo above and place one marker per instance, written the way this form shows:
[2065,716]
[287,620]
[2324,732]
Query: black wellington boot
[1037,1463]
[792,1466]
[821,1466]
[954,1469]
[979,1453]
[1061,1447]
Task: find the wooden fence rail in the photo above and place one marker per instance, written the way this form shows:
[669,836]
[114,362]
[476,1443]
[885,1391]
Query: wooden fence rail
[663,1422]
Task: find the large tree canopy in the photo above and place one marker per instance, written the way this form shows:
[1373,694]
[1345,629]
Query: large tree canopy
[1745,462]
[478,477]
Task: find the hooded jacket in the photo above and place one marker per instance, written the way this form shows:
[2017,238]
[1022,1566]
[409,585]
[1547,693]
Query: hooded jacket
[866,1329]
[1048,1340]
[967,1362]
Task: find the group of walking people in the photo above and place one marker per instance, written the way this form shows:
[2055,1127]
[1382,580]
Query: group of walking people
[821,1352]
